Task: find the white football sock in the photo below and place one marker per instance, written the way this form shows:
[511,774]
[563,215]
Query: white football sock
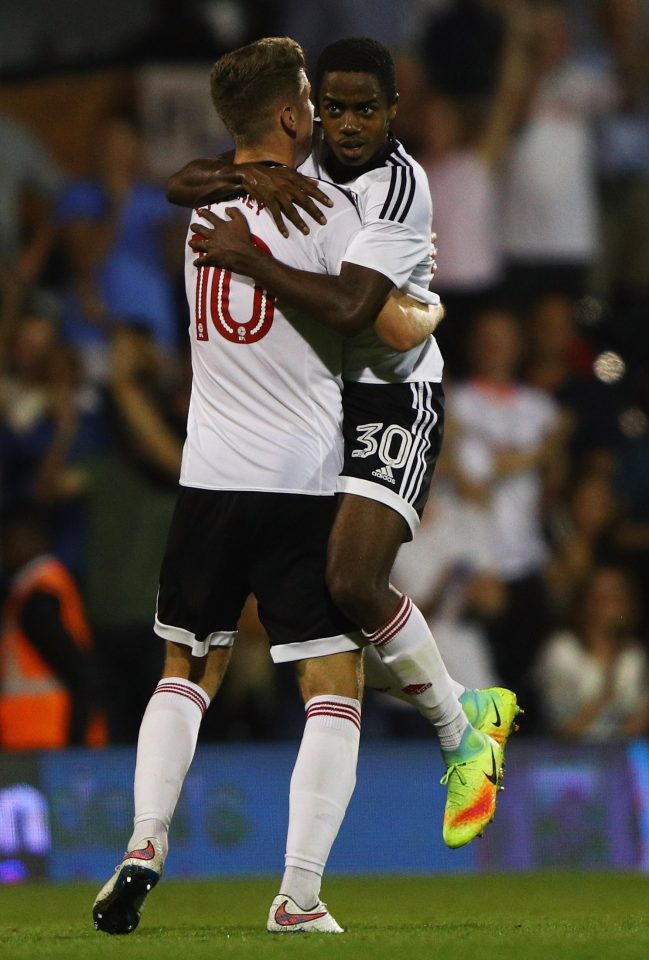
[408,650]
[381,678]
[165,748]
[322,784]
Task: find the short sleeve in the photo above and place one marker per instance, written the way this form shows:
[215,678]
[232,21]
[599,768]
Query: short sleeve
[422,294]
[395,239]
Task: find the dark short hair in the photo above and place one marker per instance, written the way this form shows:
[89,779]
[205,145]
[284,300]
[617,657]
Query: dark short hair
[247,81]
[358,55]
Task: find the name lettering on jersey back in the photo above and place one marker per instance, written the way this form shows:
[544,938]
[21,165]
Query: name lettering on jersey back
[255,205]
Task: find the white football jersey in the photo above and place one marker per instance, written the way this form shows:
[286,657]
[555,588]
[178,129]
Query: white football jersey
[397,211]
[265,411]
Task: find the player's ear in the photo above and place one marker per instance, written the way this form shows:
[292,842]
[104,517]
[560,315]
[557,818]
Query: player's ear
[392,112]
[288,120]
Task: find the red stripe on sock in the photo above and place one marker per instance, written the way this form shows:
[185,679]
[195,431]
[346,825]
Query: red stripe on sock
[182,691]
[333,704]
[328,708]
[329,713]
[380,633]
[392,628]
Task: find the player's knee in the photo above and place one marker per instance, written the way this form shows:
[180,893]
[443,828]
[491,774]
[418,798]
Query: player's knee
[352,592]
[340,674]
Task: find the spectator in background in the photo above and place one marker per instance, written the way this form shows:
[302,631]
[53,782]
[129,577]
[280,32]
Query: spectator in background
[40,376]
[592,678]
[631,485]
[623,166]
[461,47]
[29,183]
[25,378]
[508,453]
[549,187]
[112,229]
[47,686]
[581,531]
[560,362]
[461,151]
[129,492]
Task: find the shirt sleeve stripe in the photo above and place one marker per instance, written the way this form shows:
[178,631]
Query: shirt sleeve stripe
[403,175]
[402,189]
[388,199]
[410,196]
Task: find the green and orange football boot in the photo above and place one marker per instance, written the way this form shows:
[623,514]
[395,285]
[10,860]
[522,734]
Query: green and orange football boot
[473,777]
[492,710]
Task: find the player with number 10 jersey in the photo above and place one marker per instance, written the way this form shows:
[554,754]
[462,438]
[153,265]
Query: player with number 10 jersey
[265,411]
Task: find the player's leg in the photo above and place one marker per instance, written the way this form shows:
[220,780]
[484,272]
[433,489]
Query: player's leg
[393,434]
[304,626]
[363,545]
[166,745]
[322,784]
[491,710]
[168,736]
[203,586]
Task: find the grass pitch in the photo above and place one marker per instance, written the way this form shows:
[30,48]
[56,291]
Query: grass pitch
[542,916]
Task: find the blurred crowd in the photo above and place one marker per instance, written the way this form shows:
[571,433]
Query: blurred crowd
[532,562]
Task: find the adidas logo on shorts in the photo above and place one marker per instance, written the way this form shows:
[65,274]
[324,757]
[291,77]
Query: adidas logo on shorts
[384,473]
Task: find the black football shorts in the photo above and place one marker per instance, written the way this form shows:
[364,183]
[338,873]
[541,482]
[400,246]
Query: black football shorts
[393,436]
[224,545]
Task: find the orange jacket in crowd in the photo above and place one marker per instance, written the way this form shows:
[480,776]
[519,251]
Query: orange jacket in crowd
[35,706]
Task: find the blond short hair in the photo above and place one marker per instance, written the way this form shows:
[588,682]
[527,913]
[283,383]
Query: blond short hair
[247,82]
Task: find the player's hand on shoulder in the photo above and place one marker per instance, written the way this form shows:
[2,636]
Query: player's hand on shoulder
[284,192]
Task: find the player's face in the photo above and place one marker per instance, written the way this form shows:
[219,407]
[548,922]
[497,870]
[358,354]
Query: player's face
[304,122]
[355,116]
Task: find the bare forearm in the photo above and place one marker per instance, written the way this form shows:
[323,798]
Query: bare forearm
[203,181]
[149,432]
[346,303]
[404,323]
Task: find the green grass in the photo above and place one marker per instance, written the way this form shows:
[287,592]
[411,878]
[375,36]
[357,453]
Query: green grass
[553,916]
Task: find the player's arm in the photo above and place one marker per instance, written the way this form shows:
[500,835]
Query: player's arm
[405,322]
[346,303]
[282,190]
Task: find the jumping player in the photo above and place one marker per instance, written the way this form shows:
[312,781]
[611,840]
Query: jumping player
[393,405]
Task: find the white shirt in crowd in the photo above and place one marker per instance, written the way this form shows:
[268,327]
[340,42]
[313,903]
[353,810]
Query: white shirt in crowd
[467,216]
[569,678]
[518,418]
[549,189]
